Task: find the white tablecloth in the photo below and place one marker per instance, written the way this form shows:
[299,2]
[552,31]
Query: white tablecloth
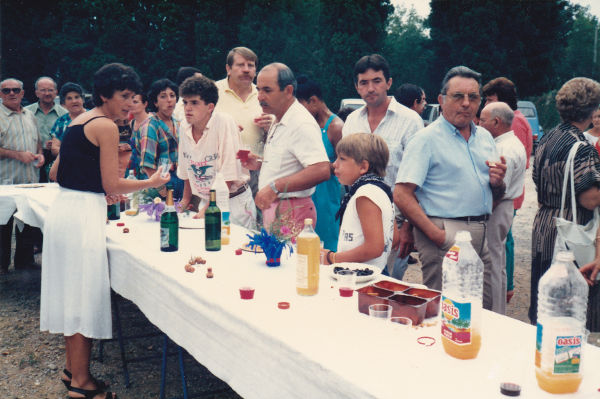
[321,346]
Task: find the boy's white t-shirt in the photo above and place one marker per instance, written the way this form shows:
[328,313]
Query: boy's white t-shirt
[351,234]
[215,151]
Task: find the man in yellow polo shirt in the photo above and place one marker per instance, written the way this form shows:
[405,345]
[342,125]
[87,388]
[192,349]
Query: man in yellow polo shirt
[238,97]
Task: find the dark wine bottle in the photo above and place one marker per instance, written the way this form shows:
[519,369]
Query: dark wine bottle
[212,224]
[169,226]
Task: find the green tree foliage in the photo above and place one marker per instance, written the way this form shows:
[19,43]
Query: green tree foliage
[520,39]
[70,39]
[579,52]
[407,49]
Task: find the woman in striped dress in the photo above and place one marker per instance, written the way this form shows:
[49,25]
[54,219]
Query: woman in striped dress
[575,101]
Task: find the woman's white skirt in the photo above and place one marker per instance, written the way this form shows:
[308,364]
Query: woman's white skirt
[75,295]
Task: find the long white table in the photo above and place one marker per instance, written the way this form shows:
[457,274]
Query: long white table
[320,347]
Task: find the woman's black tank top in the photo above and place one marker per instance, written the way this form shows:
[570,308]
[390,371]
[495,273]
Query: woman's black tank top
[79,166]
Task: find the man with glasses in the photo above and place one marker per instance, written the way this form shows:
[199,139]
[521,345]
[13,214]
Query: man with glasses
[449,178]
[47,112]
[20,158]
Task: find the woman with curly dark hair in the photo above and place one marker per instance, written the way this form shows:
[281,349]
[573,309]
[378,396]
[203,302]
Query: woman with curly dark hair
[75,294]
[575,101]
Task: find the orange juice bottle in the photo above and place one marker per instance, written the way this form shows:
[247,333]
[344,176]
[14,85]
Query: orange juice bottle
[462,292]
[308,254]
[561,316]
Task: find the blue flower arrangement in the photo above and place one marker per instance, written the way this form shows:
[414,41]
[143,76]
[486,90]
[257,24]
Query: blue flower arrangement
[271,245]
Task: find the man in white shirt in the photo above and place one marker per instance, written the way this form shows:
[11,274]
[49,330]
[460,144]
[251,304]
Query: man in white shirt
[208,143]
[238,97]
[396,124]
[497,118]
[294,156]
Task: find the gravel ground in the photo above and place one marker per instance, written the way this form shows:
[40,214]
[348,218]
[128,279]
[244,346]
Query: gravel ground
[31,361]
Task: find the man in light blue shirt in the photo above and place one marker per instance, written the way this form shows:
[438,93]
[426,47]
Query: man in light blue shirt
[449,177]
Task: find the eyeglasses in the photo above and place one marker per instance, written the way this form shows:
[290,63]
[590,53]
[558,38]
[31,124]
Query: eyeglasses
[7,90]
[472,97]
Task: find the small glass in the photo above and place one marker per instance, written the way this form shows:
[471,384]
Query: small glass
[346,282]
[166,167]
[380,311]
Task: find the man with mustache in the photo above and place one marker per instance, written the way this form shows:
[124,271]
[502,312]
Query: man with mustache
[20,160]
[238,97]
[294,160]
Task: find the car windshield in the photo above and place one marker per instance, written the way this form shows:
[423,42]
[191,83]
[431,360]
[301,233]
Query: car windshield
[527,112]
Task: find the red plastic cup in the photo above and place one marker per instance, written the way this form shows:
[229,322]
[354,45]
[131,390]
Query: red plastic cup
[346,292]
[243,155]
[246,292]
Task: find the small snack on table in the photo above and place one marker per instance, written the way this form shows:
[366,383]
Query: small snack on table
[125,230]
[209,273]
[238,251]
[189,268]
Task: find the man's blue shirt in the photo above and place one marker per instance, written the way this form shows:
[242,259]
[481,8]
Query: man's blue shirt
[451,175]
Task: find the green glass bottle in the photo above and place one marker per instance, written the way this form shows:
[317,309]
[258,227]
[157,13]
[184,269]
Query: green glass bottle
[212,224]
[113,212]
[169,226]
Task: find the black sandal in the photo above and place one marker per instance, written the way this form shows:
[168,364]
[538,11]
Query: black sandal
[69,376]
[101,385]
[90,393]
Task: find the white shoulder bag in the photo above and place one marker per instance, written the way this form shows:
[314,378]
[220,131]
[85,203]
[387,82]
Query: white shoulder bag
[571,236]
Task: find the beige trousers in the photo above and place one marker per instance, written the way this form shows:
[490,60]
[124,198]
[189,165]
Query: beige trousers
[432,256]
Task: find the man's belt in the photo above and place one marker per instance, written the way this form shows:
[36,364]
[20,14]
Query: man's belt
[480,218]
[238,191]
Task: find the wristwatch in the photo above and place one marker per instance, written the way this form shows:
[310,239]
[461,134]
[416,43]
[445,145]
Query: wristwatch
[274,187]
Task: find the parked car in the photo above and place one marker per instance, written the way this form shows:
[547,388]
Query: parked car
[430,113]
[354,103]
[528,109]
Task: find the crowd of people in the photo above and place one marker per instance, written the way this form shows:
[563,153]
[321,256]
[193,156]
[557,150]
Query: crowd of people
[376,182]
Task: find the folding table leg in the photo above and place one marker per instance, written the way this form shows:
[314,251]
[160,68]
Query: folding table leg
[182,372]
[163,368]
[120,339]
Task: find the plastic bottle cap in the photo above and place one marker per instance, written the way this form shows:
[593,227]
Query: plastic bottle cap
[283,305]
[462,235]
[565,256]
[308,221]
[510,389]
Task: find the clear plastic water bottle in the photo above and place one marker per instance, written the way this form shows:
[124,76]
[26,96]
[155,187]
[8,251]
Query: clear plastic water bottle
[562,306]
[462,293]
[131,204]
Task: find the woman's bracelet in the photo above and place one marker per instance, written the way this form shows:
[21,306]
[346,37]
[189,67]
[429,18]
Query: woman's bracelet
[329,260]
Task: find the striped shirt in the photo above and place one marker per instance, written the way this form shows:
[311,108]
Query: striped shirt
[397,127]
[158,142]
[18,132]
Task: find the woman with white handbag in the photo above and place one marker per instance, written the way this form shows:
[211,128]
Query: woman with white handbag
[567,216]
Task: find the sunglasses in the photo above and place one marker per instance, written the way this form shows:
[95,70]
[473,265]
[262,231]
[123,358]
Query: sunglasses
[15,90]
